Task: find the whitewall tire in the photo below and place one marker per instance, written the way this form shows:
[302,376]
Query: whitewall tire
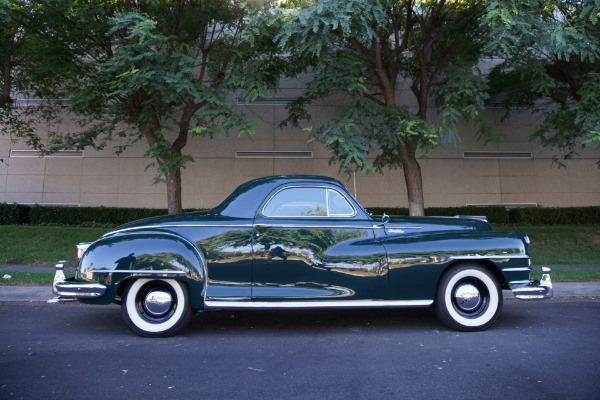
[156,307]
[468,298]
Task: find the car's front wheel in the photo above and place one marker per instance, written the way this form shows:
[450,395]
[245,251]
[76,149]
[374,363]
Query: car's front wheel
[156,307]
[468,298]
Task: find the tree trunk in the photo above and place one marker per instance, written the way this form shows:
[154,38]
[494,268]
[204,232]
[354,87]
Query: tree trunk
[174,192]
[414,182]
[6,83]
[173,178]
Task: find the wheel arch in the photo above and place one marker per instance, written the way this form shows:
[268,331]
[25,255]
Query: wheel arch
[488,264]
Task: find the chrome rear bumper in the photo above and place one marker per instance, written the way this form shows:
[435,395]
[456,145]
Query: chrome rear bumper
[533,289]
[68,289]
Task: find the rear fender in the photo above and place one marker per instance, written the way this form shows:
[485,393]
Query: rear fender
[114,260]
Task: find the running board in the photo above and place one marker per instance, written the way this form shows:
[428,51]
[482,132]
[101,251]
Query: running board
[220,304]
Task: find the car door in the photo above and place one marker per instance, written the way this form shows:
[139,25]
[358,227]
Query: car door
[313,243]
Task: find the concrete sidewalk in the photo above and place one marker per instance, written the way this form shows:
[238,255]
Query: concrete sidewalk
[43,293]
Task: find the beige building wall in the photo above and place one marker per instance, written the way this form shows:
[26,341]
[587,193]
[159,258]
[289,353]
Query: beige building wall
[449,179]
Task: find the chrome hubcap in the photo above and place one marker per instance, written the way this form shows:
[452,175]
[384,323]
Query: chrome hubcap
[467,297]
[158,302]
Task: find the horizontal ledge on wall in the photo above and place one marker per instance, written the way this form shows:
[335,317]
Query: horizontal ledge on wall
[42,102]
[51,204]
[35,153]
[505,205]
[273,154]
[498,154]
[265,102]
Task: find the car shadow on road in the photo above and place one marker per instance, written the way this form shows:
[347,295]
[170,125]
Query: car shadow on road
[108,321]
[323,320]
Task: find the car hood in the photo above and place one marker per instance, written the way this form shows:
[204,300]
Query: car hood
[420,225]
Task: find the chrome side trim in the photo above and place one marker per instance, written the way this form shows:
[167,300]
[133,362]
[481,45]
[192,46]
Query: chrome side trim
[523,269]
[396,227]
[181,226]
[138,271]
[477,257]
[251,226]
[318,304]
[301,226]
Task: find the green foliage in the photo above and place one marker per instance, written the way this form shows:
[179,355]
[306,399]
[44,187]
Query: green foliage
[560,244]
[363,128]
[27,278]
[555,216]
[495,215]
[552,51]
[43,245]
[13,214]
[501,215]
[76,216]
[362,49]
[160,72]
[16,214]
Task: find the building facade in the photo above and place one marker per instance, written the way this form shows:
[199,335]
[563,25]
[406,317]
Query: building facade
[511,172]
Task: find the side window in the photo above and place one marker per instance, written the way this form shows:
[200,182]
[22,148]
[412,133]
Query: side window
[298,202]
[308,202]
[338,204]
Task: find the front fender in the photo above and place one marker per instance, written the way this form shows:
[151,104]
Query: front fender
[115,259]
[416,262]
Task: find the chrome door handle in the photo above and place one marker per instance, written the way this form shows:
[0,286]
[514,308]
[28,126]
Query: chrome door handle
[263,226]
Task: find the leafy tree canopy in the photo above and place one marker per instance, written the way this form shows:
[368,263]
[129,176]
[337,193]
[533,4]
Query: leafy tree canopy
[367,50]
[552,67]
[155,70]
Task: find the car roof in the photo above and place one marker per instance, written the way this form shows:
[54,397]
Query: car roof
[245,200]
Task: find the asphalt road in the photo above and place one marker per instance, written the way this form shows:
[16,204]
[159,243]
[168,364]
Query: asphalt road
[537,350]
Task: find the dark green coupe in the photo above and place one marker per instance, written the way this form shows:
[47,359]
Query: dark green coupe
[300,242]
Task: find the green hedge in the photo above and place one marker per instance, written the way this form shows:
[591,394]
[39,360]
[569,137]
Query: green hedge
[555,215]
[501,215]
[495,215]
[44,215]
[14,214]
[55,215]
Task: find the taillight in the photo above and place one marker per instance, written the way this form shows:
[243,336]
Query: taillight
[81,248]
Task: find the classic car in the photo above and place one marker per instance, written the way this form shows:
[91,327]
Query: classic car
[300,242]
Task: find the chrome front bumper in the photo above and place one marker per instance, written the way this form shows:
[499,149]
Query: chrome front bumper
[68,289]
[533,289]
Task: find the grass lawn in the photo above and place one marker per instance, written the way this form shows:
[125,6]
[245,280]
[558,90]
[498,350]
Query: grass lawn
[43,245]
[27,278]
[561,244]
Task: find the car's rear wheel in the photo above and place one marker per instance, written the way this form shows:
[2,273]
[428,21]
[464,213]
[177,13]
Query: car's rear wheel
[156,307]
[468,298]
